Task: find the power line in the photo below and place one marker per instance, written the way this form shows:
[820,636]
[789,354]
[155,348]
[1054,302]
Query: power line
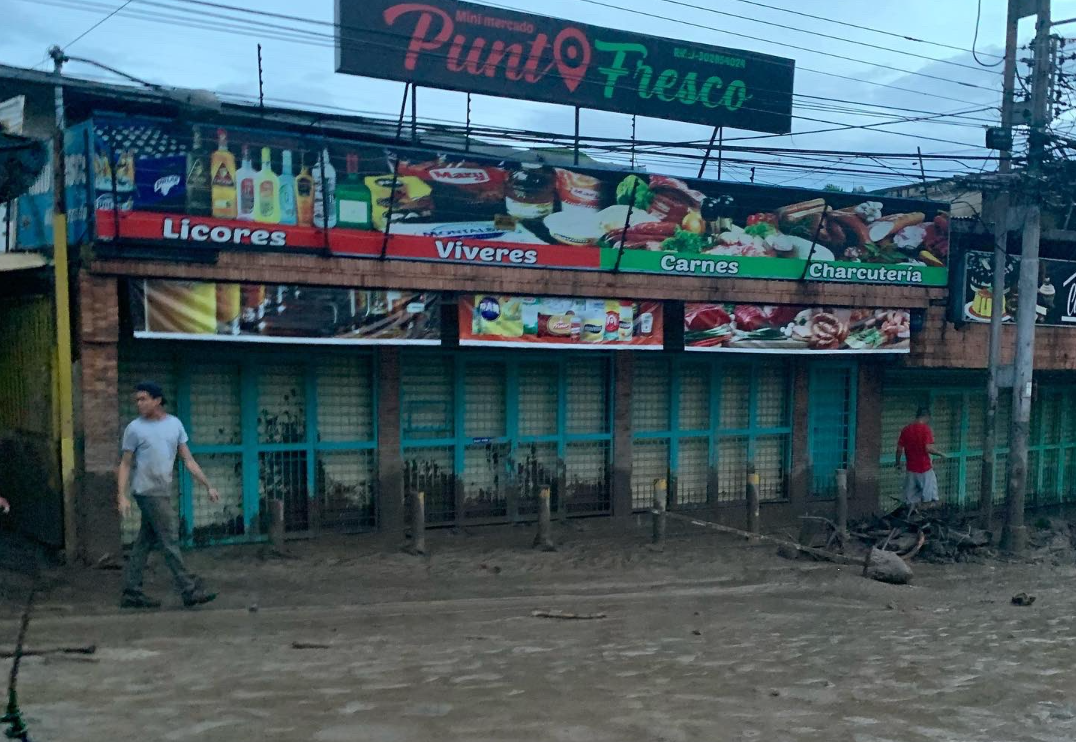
[293,18]
[891,34]
[214,26]
[975,39]
[818,34]
[785,45]
[95,26]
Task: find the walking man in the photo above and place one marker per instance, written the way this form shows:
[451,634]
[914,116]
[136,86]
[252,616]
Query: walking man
[150,444]
[916,442]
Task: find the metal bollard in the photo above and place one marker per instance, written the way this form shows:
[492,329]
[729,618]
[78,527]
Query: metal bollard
[544,538]
[418,522]
[842,502]
[753,518]
[276,524]
[661,494]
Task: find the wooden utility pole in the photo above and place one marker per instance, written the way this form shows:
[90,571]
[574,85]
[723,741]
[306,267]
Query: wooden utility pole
[1014,536]
[997,291]
[61,279]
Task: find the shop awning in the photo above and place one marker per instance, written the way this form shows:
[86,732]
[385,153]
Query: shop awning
[21,261]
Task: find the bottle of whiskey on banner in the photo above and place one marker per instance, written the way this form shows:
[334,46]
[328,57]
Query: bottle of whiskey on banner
[324,191]
[223,184]
[304,194]
[288,213]
[267,191]
[245,184]
[199,184]
[353,199]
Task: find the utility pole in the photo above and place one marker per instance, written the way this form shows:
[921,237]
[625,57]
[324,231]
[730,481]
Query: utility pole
[61,278]
[997,291]
[1014,536]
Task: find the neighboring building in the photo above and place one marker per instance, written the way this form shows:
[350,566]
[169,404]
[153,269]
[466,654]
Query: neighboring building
[338,369]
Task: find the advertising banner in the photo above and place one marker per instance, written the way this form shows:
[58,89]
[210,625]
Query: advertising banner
[1056,297]
[751,328]
[503,52]
[167,184]
[195,310]
[33,228]
[579,324]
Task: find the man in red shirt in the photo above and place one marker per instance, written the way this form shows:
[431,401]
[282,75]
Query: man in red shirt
[916,442]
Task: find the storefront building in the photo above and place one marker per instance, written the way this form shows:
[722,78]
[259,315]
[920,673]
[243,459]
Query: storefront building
[478,326]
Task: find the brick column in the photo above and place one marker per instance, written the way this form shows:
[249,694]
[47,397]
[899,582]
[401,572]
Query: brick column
[96,514]
[799,485]
[863,497]
[389,459]
[623,378]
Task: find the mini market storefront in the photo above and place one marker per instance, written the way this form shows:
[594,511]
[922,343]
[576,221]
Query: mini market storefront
[477,329]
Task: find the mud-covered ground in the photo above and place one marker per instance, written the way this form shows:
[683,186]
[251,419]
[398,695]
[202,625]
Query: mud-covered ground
[711,640]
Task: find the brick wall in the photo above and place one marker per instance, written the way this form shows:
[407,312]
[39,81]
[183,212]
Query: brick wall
[396,274]
[98,333]
[942,345]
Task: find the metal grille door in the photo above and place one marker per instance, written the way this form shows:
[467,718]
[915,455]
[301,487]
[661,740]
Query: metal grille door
[831,421]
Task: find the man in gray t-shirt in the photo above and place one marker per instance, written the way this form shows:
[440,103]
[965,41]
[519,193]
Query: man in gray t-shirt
[150,445]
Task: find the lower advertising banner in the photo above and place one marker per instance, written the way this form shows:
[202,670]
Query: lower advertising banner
[584,324]
[195,310]
[1055,299]
[752,328]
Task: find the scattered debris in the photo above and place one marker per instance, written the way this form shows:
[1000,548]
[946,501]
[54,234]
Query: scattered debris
[564,615]
[886,566]
[310,645]
[88,649]
[1023,599]
[108,561]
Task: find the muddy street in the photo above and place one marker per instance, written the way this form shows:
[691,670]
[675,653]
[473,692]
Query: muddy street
[711,640]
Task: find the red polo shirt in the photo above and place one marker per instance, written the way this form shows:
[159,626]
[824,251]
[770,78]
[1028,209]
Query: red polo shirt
[914,439]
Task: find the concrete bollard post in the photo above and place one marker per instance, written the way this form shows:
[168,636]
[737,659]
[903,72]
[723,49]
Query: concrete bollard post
[544,538]
[842,503]
[418,522]
[276,524]
[661,494]
[753,515]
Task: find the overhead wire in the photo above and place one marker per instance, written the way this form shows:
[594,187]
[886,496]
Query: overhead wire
[849,24]
[294,34]
[349,29]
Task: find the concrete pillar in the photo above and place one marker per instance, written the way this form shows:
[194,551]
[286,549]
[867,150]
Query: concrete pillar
[389,458]
[863,488]
[623,378]
[96,514]
[799,484]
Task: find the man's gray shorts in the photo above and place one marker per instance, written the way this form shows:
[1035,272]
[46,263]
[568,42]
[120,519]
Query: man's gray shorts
[920,487]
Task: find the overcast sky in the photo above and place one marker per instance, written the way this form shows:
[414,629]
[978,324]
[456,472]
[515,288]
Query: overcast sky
[154,39]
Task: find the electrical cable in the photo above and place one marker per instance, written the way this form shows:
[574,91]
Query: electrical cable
[975,39]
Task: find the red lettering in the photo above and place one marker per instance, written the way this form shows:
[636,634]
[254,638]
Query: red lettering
[419,42]
[498,52]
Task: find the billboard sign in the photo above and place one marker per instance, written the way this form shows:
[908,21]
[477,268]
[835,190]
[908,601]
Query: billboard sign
[270,191]
[1055,299]
[785,329]
[503,52]
[249,312]
[579,324]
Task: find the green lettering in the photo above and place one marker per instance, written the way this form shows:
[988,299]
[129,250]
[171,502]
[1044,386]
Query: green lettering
[617,69]
[688,93]
[644,72]
[666,80]
[735,95]
[707,87]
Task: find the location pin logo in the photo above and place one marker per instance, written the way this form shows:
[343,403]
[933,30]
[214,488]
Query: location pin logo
[571,51]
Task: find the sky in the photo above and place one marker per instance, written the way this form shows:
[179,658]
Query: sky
[177,43]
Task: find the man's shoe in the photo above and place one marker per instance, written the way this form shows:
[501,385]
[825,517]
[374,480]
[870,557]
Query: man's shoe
[198,597]
[138,600]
